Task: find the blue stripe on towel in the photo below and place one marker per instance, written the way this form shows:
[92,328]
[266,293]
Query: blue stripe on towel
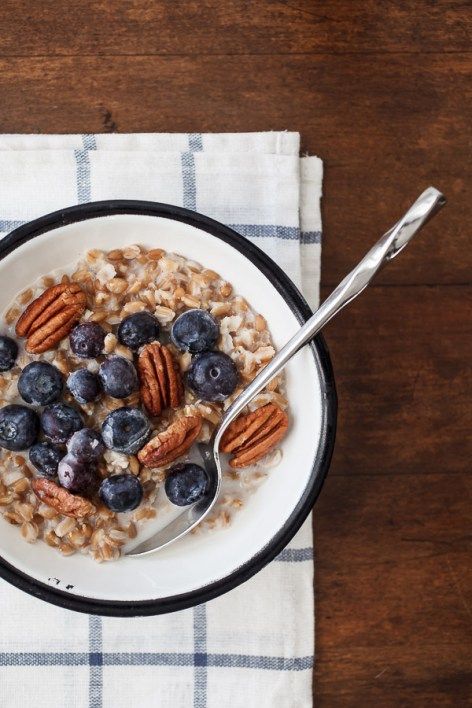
[83,176]
[286,233]
[95,662]
[216,660]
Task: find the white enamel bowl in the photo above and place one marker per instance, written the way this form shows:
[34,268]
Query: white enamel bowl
[199,567]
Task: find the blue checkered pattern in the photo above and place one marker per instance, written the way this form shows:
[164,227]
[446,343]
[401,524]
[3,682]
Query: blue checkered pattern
[202,689]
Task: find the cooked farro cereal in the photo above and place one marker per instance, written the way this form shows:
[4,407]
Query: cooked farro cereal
[144,350]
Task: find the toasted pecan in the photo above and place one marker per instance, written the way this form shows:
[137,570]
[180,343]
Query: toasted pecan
[60,499]
[50,317]
[252,435]
[172,442]
[161,384]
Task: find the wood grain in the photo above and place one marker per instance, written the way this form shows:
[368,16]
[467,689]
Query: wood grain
[404,382]
[394,585]
[386,126]
[382,91]
[200,27]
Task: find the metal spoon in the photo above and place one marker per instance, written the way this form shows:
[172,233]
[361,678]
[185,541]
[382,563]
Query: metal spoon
[353,284]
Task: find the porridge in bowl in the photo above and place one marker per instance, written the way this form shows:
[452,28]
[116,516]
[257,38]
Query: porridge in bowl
[110,373]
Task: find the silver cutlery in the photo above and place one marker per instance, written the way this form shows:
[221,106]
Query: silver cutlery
[390,245]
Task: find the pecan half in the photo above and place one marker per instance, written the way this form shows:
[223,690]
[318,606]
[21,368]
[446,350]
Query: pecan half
[60,499]
[161,384]
[50,317]
[251,436]
[171,443]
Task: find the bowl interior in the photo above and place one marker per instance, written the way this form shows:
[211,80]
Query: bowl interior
[199,560]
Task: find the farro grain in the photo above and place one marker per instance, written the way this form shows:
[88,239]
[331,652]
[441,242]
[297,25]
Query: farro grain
[123,351]
[226,290]
[86,529]
[51,539]
[110,343]
[260,323]
[117,536]
[24,510]
[134,465]
[144,513]
[132,530]
[65,526]
[66,549]
[76,538]
[79,276]
[46,511]
[185,360]
[131,307]
[61,362]
[155,254]
[133,400]
[190,301]
[220,309]
[12,518]
[117,285]
[99,316]
[25,471]
[38,520]
[164,314]
[12,314]
[115,255]
[26,296]
[93,255]
[29,531]
[131,252]
[135,287]
[101,298]
[109,552]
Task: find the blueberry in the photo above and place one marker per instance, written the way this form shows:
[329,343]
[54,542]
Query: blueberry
[45,457]
[86,445]
[118,376]
[59,422]
[19,427]
[77,476]
[212,376]
[138,329]
[40,383]
[121,492]
[84,385]
[186,483]
[126,430]
[8,353]
[87,340]
[195,331]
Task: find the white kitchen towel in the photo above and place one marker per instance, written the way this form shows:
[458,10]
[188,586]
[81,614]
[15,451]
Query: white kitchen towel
[254,646]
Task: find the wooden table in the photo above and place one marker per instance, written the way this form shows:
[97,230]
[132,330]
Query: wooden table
[381,91]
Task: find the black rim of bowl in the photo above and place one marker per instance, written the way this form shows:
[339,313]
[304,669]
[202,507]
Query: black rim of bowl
[321,463]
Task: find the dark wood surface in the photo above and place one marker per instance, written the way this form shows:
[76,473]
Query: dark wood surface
[382,92]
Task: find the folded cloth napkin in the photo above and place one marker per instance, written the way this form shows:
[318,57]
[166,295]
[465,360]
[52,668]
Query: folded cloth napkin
[253,647]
